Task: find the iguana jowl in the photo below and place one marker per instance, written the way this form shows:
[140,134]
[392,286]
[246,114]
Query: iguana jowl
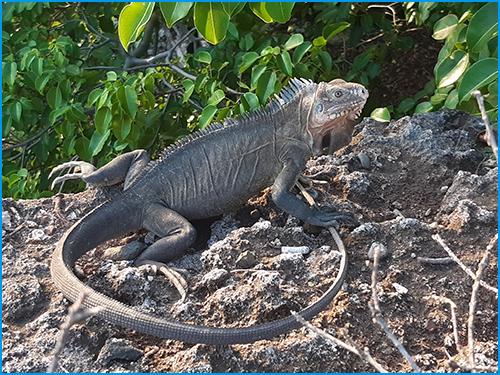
[208,173]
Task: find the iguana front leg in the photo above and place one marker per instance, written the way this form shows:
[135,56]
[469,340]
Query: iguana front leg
[288,202]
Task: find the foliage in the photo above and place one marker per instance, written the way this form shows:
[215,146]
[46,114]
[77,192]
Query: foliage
[97,80]
[466,62]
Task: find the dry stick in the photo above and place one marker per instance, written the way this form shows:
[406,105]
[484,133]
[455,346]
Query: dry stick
[364,355]
[453,308]
[491,137]
[472,307]
[377,315]
[76,314]
[436,237]
[444,260]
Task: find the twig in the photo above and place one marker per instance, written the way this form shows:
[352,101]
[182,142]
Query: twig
[444,260]
[436,237]
[378,318]
[472,307]
[363,354]
[306,194]
[76,314]
[27,141]
[491,140]
[453,308]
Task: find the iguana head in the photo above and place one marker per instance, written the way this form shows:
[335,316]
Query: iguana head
[335,107]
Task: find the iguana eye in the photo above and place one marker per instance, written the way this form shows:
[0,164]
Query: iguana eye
[338,94]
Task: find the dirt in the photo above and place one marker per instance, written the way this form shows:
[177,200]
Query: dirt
[403,182]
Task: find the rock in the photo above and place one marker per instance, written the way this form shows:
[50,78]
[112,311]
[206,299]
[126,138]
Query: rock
[37,235]
[221,228]
[6,221]
[295,249]
[129,251]
[377,246]
[356,183]
[118,349]
[364,159]
[214,278]
[246,260]
[22,296]
[468,215]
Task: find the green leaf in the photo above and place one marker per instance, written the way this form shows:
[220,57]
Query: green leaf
[319,41]
[233,8]
[285,63]
[103,120]
[93,96]
[54,97]
[250,101]
[406,105]
[97,142]
[300,51]
[211,21]
[451,101]
[111,76]
[123,129]
[206,115]
[445,26]
[449,70]
[326,61]
[247,60]
[295,40]
[188,89]
[480,74]
[280,12]
[256,73]
[381,114]
[259,9]
[482,27]
[216,97]
[173,12]
[203,57]
[58,112]
[336,28]
[16,110]
[265,86]
[423,107]
[41,82]
[131,99]
[132,20]
[9,73]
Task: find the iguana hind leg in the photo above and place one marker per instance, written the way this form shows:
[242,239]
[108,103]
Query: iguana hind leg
[123,168]
[177,235]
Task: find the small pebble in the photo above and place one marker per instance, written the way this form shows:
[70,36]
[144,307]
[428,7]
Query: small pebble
[382,250]
[364,160]
[118,349]
[246,260]
[295,249]
[444,189]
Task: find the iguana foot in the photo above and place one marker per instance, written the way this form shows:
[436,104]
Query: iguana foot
[172,274]
[328,217]
[83,167]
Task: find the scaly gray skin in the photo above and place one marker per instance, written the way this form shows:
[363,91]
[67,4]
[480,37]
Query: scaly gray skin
[211,172]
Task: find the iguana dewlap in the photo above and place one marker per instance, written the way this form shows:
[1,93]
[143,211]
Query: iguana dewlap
[210,172]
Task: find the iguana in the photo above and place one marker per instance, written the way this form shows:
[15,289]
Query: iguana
[212,171]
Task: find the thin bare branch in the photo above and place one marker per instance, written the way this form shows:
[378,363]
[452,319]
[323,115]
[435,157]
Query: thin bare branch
[467,270]
[453,308]
[76,314]
[378,317]
[472,307]
[491,139]
[363,354]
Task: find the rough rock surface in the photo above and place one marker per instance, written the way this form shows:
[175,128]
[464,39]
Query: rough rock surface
[403,181]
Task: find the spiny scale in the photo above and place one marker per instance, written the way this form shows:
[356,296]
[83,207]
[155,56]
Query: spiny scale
[286,96]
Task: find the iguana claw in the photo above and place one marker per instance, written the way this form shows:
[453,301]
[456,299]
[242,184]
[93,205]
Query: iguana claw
[171,274]
[84,168]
